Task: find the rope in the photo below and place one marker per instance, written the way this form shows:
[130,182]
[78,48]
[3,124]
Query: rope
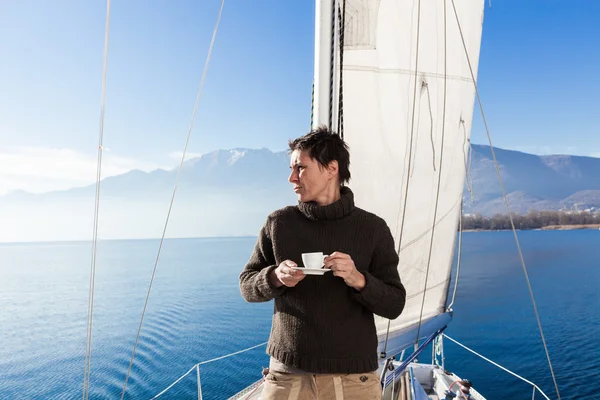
[331,65]
[460,233]
[439,183]
[537,316]
[411,128]
[431,118]
[212,42]
[174,383]
[419,350]
[471,170]
[199,383]
[206,362]
[341,89]
[88,340]
[497,365]
[383,354]
[469,161]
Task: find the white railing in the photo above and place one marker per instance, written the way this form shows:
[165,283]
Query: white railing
[197,368]
[535,387]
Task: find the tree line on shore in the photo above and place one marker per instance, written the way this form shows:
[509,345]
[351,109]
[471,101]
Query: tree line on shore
[531,220]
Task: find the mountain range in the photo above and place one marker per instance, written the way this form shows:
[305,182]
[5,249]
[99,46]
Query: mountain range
[230,192]
[532,182]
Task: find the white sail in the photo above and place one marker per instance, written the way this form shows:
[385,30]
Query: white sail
[407,108]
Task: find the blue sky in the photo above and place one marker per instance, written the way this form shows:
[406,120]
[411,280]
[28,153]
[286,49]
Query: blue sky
[537,77]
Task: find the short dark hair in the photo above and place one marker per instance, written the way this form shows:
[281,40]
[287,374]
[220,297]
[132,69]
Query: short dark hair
[325,147]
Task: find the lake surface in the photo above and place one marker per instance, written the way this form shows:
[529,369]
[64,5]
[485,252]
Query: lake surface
[196,313]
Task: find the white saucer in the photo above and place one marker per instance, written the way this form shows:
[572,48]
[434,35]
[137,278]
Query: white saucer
[312,271]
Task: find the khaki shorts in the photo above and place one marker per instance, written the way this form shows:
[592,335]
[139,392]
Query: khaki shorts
[283,386]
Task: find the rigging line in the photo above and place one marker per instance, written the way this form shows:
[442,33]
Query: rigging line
[537,316]
[471,171]
[460,235]
[342,25]
[411,128]
[496,364]
[189,134]
[383,354]
[409,148]
[88,340]
[439,184]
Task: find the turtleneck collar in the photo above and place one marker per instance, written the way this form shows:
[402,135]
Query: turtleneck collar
[336,210]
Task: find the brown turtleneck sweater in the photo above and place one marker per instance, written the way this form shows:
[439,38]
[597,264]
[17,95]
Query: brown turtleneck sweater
[322,325]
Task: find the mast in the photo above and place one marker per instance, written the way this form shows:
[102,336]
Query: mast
[323,64]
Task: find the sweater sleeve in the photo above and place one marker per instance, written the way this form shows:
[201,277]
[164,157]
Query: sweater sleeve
[383,293]
[255,284]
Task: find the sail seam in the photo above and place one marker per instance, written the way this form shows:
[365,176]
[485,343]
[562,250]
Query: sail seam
[406,72]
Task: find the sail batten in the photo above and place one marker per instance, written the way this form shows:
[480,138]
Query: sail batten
[406,82]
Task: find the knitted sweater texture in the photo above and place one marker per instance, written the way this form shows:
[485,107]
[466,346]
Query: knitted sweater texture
[322,325]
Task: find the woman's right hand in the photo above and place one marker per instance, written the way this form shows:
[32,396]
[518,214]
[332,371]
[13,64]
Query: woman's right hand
[284,275]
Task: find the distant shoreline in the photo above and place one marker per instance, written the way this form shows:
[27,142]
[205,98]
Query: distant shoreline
[543,228]
[569,227]
[533,220]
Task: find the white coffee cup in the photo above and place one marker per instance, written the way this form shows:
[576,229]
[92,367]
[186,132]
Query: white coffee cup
[313,260]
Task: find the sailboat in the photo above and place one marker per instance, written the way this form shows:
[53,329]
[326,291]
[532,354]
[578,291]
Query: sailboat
[393,79]
[397,80]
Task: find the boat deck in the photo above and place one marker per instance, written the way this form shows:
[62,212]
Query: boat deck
[418,381]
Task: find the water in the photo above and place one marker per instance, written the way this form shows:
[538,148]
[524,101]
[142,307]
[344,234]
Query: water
[196,313]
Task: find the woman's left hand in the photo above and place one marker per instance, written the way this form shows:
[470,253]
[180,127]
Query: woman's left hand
[343,266]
